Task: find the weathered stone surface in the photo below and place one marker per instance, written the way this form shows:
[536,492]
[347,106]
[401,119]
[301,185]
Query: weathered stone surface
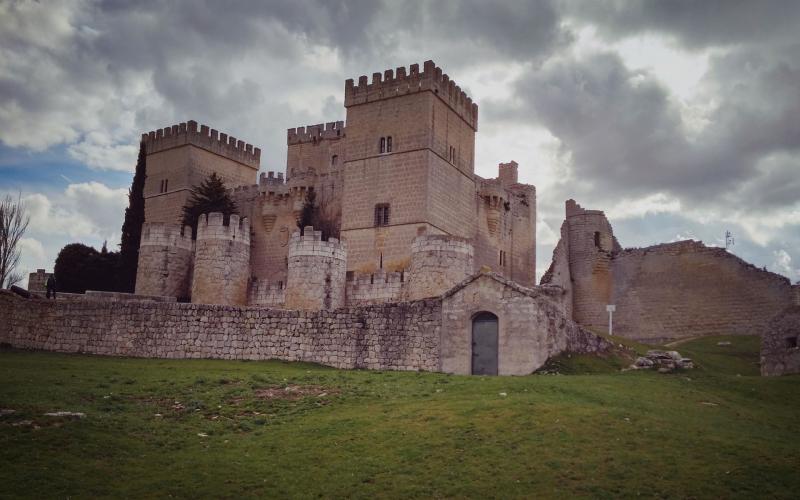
[780,344]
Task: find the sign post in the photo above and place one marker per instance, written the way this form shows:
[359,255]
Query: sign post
[611,308]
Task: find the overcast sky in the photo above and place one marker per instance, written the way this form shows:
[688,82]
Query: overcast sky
[680,119]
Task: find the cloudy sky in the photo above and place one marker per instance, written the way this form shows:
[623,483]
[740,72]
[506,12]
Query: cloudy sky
[680,119]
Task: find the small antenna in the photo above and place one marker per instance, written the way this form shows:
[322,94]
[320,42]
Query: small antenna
[729,241]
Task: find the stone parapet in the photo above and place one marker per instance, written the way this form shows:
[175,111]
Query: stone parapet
[438,263]
[264,292]
[375,288]
[206,138]
[212,227]
[391,84]
[316,271]
[313,133]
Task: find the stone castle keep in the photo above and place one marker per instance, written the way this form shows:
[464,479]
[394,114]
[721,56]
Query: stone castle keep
[434,268]
[399,179]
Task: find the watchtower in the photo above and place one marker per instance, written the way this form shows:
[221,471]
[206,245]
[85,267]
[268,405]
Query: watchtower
[410,164]
[181,157]
[221,260]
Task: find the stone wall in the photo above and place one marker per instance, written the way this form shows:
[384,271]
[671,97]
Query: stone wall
[438,263]
[374,288]
[222,260]
[317,272]
[263,292]
[663,292]
[37,282]
[391,336]
[166,254]
[780,344]
[686,289]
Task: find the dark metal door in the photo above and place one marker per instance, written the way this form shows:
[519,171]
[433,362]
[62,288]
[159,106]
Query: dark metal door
[484,344]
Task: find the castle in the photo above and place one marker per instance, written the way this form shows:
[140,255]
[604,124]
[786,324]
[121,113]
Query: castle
[434,268]
[399,179]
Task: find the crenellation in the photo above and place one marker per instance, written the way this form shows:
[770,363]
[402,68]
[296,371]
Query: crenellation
[432,79]
[208,139]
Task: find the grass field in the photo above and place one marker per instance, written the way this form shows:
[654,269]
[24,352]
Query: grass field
[186,428]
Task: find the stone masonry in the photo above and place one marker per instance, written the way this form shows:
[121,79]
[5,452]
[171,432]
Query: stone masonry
[316,272]
[221,262]
[166,255]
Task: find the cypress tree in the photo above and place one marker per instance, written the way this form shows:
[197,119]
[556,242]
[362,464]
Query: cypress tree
[132,227]
[210,196]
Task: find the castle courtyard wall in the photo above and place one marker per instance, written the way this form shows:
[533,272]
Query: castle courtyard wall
[402,336]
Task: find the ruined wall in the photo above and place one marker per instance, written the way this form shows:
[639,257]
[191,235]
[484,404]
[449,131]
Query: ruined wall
[386,337]
[662,292]
[37,282]
[184,156]
[221,262]
[438,263]
[531,326]
[166,255]
[780,343]
[686,289]
[317,272]
[591,244]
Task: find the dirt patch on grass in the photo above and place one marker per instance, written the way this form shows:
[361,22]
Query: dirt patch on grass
[294,392]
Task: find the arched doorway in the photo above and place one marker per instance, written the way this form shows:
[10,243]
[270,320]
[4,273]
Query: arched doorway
[484,344]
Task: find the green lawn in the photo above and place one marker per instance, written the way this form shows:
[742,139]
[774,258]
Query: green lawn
[184,428]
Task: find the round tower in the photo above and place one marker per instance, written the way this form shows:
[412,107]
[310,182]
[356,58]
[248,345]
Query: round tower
[221,261]
[166,252]
[591,245]
[317,271]
[438,263]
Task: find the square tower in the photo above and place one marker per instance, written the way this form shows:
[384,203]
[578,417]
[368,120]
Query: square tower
[410,164]
[181,157]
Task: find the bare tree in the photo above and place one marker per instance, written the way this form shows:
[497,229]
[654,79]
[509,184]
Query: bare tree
[13,223]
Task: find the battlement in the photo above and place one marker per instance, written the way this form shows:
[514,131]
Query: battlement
[573,209]
[441,243]
[166,234]
[270,179]
[310,244]
[212,227]
[393,84]
[508,173]
[313,133]
[264,292]
[380,287]
[206,138]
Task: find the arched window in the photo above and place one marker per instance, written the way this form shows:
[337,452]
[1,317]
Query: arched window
[382,148]
[389,144]
[334,160]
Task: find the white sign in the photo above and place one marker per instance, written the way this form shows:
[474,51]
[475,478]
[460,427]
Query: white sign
[611,309]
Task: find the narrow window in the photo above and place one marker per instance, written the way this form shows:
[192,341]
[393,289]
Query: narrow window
[383,145]
[380,266]
[382,214]
[389,144]
[597,239]
[334,160]
[166,185]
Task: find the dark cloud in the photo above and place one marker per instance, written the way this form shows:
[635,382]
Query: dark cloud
[691,23]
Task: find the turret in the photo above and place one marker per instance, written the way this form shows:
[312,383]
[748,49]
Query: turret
[222,260]
[438,263]
[317,272]
[166,254]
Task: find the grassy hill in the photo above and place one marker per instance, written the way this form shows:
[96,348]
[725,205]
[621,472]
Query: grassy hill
[186,428]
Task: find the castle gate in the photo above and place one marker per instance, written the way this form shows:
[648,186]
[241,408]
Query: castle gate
[484,344]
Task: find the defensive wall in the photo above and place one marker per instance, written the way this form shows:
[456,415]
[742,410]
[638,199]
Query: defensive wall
[396,336]
[662,292]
